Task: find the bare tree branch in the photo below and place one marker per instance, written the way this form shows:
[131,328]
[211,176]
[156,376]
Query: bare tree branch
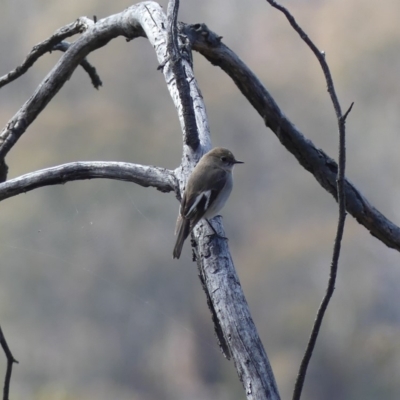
[143,175]
[190,134]
[235,328]
[10,361]
[335,258]
[191,137]
[154,24]
[230,307]
[79,26]
[334,264]
[341,120]
[319,54]
[312,159]
[85,64]
[95,36]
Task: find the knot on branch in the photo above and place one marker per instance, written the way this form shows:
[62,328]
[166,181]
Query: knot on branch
[84,23]
[202,32]
[185,49]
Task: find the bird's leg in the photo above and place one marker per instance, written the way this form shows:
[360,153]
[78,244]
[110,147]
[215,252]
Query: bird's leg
[215,232]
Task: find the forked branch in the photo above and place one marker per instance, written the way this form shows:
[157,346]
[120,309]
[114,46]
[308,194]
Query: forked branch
[85,64]
[10,361]
[79,26]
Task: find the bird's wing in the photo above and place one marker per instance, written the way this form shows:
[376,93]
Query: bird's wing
[202,195]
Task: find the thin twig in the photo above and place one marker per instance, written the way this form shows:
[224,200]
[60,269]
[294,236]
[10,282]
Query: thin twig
[85,64]
[10,361]
[341,197]
[79,26]
[319,54]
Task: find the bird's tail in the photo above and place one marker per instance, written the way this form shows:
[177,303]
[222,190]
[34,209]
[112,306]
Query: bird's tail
[183,230]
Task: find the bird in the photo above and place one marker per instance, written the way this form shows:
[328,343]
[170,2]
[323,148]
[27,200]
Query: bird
[208,187]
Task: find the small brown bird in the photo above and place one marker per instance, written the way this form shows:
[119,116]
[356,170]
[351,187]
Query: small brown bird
[207,190]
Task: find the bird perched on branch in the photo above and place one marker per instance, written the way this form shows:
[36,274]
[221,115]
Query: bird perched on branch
[207,190]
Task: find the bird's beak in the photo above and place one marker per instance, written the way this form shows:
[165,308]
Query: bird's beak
[238,162]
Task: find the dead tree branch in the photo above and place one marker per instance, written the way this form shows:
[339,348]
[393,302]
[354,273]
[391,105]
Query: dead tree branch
[85,64]
[177,66]
[235,328]
[10,361]
[341,120]
[95,36]
[143,175]
[314,160]
[334,263]
[79,26]
[190,135]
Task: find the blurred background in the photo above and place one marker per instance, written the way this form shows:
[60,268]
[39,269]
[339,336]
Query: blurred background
[91,302]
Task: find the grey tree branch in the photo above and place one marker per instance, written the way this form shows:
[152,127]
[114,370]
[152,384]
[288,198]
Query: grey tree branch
[314,160]
[177,66]
[10,361]
[95,36]
[318,54]
[235,327]
[79,26]
[341,120]
[159,178]
[190,134]
[154,24]
[85,64]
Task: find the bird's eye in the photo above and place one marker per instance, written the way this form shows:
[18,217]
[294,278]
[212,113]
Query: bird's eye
[223,159]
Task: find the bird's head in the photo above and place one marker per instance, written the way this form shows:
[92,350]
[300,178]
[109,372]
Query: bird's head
[223,158]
